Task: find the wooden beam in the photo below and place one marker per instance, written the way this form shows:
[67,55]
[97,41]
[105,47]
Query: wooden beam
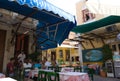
[19,24]
[92,44]
[101,37]
[97,35]
[82,45]
[85,38]
[103,41]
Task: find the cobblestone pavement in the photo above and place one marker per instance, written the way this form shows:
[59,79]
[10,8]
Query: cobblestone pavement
[99,78]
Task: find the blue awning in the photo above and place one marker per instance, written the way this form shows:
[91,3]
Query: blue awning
[54,23]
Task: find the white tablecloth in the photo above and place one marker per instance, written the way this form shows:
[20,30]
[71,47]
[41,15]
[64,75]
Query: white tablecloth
[7,79]
[35,72]
[73,76]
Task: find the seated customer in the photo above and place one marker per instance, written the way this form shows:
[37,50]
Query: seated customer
[27,67]
[37,65]
[47,63]
[10,68]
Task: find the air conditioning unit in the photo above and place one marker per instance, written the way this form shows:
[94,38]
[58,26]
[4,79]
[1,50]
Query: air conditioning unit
[111,28]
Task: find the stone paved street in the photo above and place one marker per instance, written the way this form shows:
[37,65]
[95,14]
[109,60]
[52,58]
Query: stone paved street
[99,78]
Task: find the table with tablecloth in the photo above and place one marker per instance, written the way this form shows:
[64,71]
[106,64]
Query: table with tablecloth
[73,76]
[7,79]
[34,73]
[2,75]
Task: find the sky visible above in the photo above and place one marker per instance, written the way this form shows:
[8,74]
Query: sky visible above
[66,5]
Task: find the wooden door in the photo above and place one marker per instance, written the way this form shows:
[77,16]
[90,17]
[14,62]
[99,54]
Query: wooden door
[21,43]
[2,47]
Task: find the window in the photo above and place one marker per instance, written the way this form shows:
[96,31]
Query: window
[87,15]
[60,53]
[67,55]
[114,47]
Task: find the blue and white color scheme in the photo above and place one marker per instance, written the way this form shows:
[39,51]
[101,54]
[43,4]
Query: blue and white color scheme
[54,23]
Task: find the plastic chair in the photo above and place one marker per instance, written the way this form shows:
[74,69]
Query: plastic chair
[77,69]
[91,72]
[25,73]
[42,76]
[51,68]
[53,76]
[55,68]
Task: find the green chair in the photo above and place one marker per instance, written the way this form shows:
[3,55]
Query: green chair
[77,69]
[55,68]
[42,76]
[51,68]
[53,76]
[58,69]
[91,72]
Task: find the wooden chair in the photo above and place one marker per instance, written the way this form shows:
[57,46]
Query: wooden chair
[53,76]
[42,76]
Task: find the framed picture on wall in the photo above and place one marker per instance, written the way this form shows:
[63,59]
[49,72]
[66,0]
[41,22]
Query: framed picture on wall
[60,53]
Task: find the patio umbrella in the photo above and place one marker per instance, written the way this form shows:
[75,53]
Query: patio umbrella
[54,24]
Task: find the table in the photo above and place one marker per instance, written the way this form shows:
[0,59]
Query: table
[2,75]
[7,79]
[34,73]
[67,69]
[73,76]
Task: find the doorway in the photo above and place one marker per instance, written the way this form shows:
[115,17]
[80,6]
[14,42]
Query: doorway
[22,42]
[2,47]
[53,55]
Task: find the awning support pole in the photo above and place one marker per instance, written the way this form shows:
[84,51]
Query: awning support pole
[80,55]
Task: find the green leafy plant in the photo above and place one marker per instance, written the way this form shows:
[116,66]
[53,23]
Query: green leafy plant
[107,53]
[34,56]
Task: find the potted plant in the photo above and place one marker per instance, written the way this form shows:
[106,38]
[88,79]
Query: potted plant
[107,55]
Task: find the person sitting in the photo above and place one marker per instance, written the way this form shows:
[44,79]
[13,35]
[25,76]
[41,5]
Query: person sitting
[27,67]
[10,68]
[47,63]
[37,65]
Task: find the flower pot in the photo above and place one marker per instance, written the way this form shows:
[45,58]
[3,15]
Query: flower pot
[103,73]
